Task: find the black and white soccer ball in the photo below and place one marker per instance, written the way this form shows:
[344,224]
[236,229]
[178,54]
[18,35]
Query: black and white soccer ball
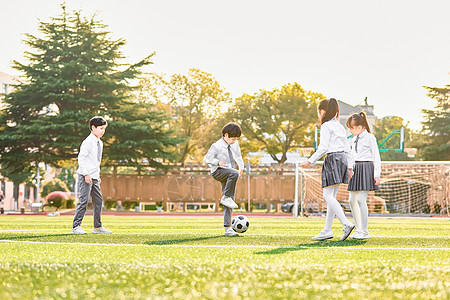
[240,224]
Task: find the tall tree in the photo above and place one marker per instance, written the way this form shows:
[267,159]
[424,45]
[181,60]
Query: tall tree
[277,120]
[194,101]
[436,127]
[72,73]
[383,128]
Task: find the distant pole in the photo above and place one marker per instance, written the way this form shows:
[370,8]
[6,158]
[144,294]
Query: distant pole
[295,209]
[402,138]
[248,185]
[38,184]
[301,194]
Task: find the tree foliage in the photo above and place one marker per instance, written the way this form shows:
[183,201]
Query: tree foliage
[72,73]
[194,102]
[436,126]
[383,128]
[278,120]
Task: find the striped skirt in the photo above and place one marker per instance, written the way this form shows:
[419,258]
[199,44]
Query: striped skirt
[363,177]
[335,169]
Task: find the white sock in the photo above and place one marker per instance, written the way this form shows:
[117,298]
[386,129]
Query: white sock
[333,204]
[364,210]
[330,215]
[354,206]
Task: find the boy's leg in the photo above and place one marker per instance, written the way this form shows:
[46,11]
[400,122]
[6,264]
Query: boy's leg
[97,199]
[229,177]
[85,191]
[227,214]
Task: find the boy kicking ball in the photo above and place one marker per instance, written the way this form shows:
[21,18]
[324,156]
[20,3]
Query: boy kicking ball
[89,160]
[221,158]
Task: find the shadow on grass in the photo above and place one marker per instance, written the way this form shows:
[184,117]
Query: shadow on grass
[180,241]
[319,244]
[33,236]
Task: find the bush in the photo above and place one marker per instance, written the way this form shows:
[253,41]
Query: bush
[70,203]
[56,199]
[52,185]
[129,204]
[110,204]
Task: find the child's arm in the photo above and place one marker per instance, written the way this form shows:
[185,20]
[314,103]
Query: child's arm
[376,160]
[323,146]
[210,157]
[239,160]
[350,157]
[85,149]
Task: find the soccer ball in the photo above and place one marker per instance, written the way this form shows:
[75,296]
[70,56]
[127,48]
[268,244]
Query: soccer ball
[240,224]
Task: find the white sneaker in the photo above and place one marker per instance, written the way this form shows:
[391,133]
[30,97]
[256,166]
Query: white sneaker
[101,230]
[78,230]
[230,232]
[361,235]
[323,235]
[228,202]
[348,228]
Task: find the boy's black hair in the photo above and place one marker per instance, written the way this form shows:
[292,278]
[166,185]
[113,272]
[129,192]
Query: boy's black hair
[233,130]
[96,121]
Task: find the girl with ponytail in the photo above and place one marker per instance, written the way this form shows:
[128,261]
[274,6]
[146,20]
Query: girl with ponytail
[367,170]
[335,170]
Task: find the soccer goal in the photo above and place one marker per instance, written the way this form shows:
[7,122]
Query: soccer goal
[406,188]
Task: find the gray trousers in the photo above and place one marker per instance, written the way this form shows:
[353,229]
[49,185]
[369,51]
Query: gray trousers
[228,178]
[85,190]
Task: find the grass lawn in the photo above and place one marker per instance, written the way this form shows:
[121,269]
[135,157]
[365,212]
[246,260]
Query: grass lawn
[189,258]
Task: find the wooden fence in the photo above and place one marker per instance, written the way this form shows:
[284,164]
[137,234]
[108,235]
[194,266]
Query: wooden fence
[405,188]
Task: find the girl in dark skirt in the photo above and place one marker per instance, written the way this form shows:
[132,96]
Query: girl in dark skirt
[366,172]
[333,142]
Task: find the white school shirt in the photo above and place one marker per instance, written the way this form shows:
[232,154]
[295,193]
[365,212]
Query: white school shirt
[219,152]
[367,150]
[88,162]
[333,138]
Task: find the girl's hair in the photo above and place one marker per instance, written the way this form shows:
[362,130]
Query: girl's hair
[331,108]
[358,120]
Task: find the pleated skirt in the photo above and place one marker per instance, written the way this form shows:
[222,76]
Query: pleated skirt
[363,177]
[335,169]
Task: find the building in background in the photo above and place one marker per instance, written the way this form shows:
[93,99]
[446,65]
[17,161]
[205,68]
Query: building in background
[346,110]
[25,194]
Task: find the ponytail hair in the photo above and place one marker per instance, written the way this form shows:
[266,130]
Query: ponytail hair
[358,120]
[331,108]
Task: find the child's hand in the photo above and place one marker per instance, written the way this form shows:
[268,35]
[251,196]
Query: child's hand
[88,179]
[350,173]
[377,180]
[222,163]
[305,164]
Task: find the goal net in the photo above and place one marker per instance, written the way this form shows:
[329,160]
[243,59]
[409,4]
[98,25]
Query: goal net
[406,188]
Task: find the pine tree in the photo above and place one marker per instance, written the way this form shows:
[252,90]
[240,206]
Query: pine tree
[72,73]
[436,127]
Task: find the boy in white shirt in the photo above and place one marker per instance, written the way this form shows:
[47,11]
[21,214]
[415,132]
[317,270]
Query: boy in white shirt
[89,160]
[221,158]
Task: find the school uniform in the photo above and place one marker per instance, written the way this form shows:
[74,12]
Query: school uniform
[226,175]
[89,160]
[333,142]
[367,162]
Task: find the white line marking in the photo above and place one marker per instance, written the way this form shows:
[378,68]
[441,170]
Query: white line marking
[216,229]
[271,247]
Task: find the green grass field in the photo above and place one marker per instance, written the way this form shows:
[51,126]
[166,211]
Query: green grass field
[189,258]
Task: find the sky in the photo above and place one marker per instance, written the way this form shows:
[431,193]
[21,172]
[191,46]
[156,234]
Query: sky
[383,50]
